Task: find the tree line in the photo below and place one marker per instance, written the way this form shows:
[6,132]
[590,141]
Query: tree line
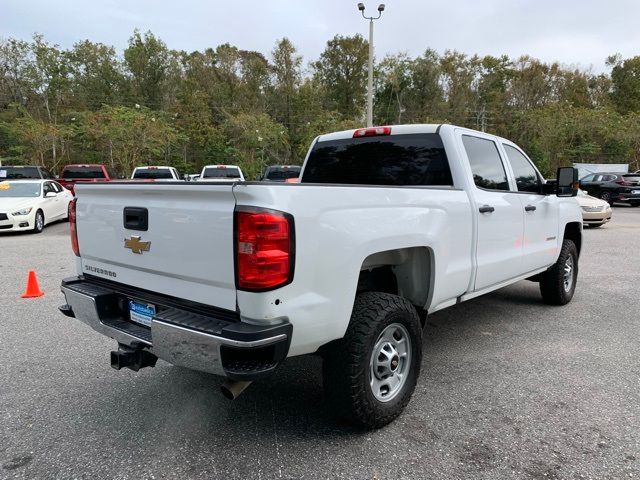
[154,105]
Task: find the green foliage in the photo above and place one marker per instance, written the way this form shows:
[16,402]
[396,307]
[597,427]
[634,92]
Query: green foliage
[226,105]
[342,71]
[625,76]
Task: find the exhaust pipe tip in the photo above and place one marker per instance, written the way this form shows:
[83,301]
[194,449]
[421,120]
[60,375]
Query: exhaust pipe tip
[232,389]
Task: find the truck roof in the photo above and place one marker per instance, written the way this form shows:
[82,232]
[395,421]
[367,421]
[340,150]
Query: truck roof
[404,130]
[395,130]
[83,165]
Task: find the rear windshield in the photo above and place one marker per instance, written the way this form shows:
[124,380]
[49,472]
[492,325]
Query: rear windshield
[153,173]
[282,173]
[19,172]
[221,172]
[412,160]
[71,173]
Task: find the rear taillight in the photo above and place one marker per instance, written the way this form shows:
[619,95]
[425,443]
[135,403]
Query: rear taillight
[620,181]
[371,132]
[265,249]
[72,225]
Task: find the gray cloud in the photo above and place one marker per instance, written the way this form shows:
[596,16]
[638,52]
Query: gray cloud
[581,33]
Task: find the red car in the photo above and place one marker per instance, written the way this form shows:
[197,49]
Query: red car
[73,174]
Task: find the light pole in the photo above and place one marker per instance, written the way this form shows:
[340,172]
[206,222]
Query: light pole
[370,79]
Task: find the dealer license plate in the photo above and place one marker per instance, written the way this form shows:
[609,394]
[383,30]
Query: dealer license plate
[141,313]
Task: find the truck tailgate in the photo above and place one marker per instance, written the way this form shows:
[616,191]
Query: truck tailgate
[190,230]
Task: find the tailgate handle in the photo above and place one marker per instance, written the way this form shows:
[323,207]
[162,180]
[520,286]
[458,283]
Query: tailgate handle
[136,218]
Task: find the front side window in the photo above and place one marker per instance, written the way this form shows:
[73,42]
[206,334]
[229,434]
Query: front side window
[526,176]
[486,164]
[589,178]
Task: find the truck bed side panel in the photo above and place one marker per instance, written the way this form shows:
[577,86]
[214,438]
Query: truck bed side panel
[337,227]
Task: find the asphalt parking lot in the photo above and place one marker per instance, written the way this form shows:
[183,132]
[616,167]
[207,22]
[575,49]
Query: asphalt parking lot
[510,388]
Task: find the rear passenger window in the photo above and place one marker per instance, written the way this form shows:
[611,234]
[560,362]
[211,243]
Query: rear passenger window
[486,165]
[402,160]
[526,176]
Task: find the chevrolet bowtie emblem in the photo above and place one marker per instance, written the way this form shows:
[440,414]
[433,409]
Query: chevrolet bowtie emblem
[136,245]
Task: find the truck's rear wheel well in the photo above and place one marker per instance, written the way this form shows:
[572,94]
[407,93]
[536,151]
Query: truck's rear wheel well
[572,232]
[407,272]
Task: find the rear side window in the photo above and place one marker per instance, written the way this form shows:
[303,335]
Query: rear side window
[411,160]
[526,176]
[153,173]
[16,173]
[486,165]
[72,173]
[221,172]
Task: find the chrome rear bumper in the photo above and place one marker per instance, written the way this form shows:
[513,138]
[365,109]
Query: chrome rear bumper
[182,337]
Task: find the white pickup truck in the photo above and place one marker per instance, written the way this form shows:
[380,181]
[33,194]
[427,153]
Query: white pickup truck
[387,225]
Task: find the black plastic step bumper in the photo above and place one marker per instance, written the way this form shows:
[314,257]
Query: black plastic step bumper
[210,340]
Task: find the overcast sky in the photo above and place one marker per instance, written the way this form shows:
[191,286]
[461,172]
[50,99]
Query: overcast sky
[581,33]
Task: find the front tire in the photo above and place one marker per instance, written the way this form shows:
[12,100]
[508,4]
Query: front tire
[38,222]
[558,284]
[370,375]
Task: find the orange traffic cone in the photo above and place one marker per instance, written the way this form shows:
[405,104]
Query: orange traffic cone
[33,289]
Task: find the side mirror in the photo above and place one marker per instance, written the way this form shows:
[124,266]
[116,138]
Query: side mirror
[567,185]
[50,195]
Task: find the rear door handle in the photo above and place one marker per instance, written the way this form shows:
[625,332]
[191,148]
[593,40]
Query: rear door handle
[530,208]
[486,209]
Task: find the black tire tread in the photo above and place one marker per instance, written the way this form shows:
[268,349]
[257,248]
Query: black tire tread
[551,282]
[35,229]
[343,361]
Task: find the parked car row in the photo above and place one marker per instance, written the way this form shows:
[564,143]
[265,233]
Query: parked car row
[71,175]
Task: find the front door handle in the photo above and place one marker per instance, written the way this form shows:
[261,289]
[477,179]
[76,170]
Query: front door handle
[486,209]
[530,208]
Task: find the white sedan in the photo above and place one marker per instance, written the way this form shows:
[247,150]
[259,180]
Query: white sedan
[32,204]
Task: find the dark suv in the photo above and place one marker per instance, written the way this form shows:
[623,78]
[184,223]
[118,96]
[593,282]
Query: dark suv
[613,187]
[19,172]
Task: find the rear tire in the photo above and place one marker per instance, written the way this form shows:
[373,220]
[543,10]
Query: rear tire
[370,375]
[558,284]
